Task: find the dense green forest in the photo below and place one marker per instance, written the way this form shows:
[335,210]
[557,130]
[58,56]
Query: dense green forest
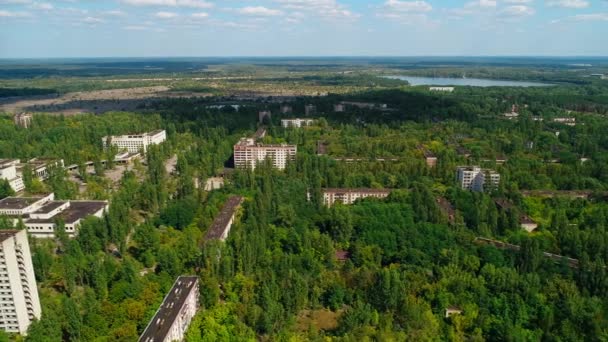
[278,277]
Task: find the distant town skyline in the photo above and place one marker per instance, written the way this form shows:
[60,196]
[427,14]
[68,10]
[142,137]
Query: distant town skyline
[165,28]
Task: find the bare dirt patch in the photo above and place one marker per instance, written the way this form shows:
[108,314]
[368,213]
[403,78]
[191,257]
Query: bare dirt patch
[98,101]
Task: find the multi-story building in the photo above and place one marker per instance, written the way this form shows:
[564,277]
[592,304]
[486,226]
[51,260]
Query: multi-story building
[135,142]
[446,89]
[310,109]
[349,196]
[222,224]
[8,171]
[429,157]
[247,154]
[477,179]
[285,109]
[566,121]
[297,123]
[262,115]
[174,315]
[23,120]
[41,214]
[19,302]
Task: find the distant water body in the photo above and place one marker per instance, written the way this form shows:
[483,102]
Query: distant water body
[473,82]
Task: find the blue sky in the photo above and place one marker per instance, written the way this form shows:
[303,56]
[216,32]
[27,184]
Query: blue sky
[133,28]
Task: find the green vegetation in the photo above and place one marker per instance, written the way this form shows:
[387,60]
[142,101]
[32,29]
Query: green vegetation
[277,277]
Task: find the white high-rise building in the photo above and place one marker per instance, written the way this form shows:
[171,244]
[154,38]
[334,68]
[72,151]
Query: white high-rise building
[19,302]
[8,171]
[135,142]
[247,154]
[477,179]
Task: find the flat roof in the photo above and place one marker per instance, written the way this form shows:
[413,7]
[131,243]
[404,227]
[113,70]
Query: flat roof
[77,210]
[52,205]
[159,326]
[18,202]
[221,221]
[6,162]
[8,233]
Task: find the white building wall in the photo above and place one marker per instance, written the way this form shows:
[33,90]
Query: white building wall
[19,302]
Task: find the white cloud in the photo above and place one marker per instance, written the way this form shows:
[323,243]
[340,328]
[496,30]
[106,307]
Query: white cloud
[200,15]
[115,13]
[170,3]
[92,20]
[568,3]
[166,15]
[44,6]
[517,11]
[408,6]
[517,1]
[259,11]
[591,17]
[15,2]
[481,4]
[11,14]
[328,9]
[135,28]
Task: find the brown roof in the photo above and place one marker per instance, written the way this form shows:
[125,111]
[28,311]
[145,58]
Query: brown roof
[221,221]
[18,202]
[76,211]
[158,328]
[8,233]
[342,255]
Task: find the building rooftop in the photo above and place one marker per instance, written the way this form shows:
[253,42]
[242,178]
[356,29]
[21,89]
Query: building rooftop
[8,233]
[17,203]
[159,326]
[221,221]
[7,162]
[52,205]
[77,211]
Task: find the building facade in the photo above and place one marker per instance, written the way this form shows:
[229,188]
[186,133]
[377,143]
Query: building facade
[8,171]
[174,315]
[349,196]
[135,142]
[446,89]
[23,120]
[19,302]
[247,154]
[474,178]
[296,123]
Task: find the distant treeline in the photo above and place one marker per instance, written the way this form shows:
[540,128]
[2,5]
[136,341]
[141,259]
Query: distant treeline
[9,92]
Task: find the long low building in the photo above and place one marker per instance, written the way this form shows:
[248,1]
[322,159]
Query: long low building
[41,214]
[247,154]
[174,315]
[222,224]
[349,196]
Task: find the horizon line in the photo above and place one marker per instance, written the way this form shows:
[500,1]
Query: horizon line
[308,56]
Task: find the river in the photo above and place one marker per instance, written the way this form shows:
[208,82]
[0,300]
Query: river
[473,82]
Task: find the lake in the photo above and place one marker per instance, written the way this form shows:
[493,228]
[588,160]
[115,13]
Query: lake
[473,82]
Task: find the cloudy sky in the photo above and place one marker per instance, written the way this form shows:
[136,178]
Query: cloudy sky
[126,28]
